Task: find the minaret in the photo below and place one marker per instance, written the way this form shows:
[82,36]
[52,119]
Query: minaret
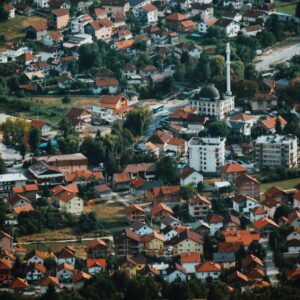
[228,82]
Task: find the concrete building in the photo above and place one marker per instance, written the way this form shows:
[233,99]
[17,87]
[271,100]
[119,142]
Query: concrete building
[276,150]
[207,154]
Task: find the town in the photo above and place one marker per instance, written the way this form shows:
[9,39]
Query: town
[149,149]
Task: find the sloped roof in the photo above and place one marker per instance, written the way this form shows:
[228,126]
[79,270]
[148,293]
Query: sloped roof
[176,17]
[208,266]
[161,207]
[96,262]
[190,257]
[233,168]
[19,283]
[263,222]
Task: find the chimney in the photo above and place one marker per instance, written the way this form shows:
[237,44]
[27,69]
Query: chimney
[228,82]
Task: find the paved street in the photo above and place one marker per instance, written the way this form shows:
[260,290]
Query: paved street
[271,57]
[271,270]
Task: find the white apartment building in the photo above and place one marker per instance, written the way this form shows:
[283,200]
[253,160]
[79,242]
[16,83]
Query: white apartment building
[207,154]
[78,23]
[277,150]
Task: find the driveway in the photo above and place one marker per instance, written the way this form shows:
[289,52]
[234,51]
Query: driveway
[265,61]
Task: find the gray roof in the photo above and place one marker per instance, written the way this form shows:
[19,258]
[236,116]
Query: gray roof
[209,92]
[223,257]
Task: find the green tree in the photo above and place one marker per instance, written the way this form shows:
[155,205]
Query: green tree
[166,169]
[3,14]
[217,65]
[89,56]
[237,69]
[218,128]
[66,99]
[34,139]
[3,168]
[297,11]
[188,191]
[137,121]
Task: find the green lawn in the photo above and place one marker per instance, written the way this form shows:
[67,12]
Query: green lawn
[286,7]
[284,184]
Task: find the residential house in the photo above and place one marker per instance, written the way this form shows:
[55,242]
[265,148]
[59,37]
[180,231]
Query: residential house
[294,247]
[9,181]
[174,272]
[238,279]
[55,4]
[248,185]
[265,225]
[276,193]
[35,257]
[6,242]
[37,31]
[68,200]
[18,285]
[96,248]
[215,222]
[148,271]
[159,211]
[232,223]
[144,170]
[97,31]
[67,163]
[190,176]
[5,271]
[83,177]
[121,181]
[35,272]
[170,220]
[199,206]
[269,124]
[231,173]
[59,18]
[244,204]
[10,10]
[208,270]
[236,4]
[65,272]
[66,255]
[115,6]
[151,13]
[17,201]
[179,22]
[205,24]
[253,16]
[239,237]
[80,278]
[100,13]
[41,3]
[141,229]
[230,27]
[154,243]
[270,206]
[117,103]
[294,219]
[128,242]
[189,261]
[252,30]
[205,11]
[78,23]
[43,126]
[226,259]
[128,71]
[251,262]
[263,102]
[103,191]
[96,265]
[135,213]
[169,195]
[49,280]
[257,213]
[187,241]
[78,117]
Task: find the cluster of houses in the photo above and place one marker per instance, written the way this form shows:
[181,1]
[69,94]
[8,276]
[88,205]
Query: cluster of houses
[157,243]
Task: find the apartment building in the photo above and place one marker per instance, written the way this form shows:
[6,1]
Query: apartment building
[207,154]
[276,150]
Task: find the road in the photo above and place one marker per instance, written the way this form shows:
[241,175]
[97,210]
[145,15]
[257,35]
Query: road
[33,242]
[271,57]
[271,270]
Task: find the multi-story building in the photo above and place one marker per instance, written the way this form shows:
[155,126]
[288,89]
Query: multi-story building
[9,181]
[276,150]
[207,154]
[199,206]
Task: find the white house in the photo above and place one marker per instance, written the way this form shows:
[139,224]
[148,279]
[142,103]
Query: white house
[15,50]
[257,213]
[190,176]
[35,272]
[208,269]
[294,235]
[41,3]
[141,228]
[199,206]
[216,222]
[71,203]
[108,84]
[230,27]
[96,265]
[206,23]
[236,4]
[151,13]
[174,272]
[78,23]
[65,272]
[189,261]
[244,204]
[11,10]
[66,255]
[53,38]
[294,246]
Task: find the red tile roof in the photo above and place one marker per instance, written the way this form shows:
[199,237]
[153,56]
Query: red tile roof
[19,283]
[263,222]
[49,280]
[176,17]
[190,257]
[271,122]
[233,168]
[208,266]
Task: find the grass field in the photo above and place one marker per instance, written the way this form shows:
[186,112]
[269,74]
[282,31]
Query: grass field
[15,28]
[284,184]
[286,7]
[52,110]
